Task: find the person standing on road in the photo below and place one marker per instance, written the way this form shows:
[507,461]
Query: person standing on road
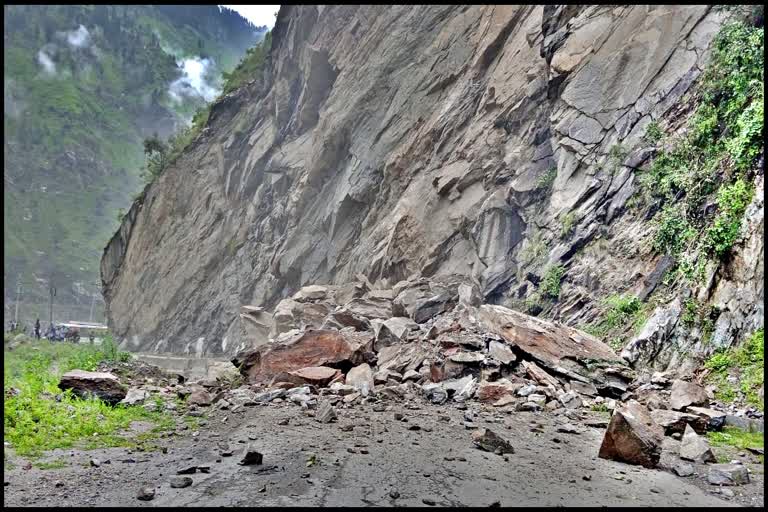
[37,329]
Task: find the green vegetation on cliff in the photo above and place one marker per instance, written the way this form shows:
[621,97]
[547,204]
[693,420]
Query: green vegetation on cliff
[740,371]
[701,180]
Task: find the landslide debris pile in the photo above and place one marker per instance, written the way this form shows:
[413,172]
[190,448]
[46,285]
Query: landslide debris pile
[427,337]
[338,345]
[328,349]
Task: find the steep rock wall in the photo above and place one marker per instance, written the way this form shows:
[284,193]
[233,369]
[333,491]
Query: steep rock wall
[413,140]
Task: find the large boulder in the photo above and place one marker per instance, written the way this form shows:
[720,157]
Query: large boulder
[370,307]
[675,422]
[221,371]
[361,378]
[135,396]
[715,420]
[283,319]
[104,386]
[685,393]
[557,347]
[422,299]
[632,436]
[493,391]
[391,331]
[256,323]
[490,441]
[728,474]
[343,317]
[501,352]
[310,348]
[695,448]
[401,358]
[461,389]
[311,293]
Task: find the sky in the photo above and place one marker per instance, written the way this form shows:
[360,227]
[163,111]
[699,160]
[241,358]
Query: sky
[257,14]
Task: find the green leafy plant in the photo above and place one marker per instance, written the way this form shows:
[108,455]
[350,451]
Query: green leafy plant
[622,312]
[732,436]
[690,312]
[532,304]
[534,249]
[714,156]
[732,201]
[567,224]
[550,283]
[673,231]
[616,155]
[653,133]
[250,67]
[746,362]
[547,179]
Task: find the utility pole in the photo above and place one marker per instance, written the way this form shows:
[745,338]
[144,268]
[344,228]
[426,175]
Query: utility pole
[50,307]
[18,297]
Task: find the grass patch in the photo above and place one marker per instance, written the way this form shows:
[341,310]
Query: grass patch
[53,464]
[193,422]
[732,436]
[746,363]
[623,312]
[36,421]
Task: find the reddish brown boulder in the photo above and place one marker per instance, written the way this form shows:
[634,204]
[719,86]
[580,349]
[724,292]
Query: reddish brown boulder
[311,348]
[494,391]
[286,378]
[200,397]
[632,436]
[318,375]
[104,386]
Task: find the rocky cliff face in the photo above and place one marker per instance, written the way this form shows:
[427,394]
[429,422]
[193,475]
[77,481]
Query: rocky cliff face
[430,141]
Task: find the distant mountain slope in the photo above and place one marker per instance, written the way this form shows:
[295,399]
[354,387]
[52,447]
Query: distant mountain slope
[82,85]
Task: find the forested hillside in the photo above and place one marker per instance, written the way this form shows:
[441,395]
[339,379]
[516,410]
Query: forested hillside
[83,85]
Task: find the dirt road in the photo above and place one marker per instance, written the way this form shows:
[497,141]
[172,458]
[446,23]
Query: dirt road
[364,458]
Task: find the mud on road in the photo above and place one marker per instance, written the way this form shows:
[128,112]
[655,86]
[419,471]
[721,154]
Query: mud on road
[366,457]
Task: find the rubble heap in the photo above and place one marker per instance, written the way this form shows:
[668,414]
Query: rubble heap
[430,337]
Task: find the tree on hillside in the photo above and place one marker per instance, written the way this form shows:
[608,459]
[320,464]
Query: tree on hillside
[156,152]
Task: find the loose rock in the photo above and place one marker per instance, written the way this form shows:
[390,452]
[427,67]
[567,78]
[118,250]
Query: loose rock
[489,441]
[361,378]
[251,456]
[685,393]
[104,386]
[146,494]
[632,436]
[325,413]
[728,474]
[695,448]
[179,482]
